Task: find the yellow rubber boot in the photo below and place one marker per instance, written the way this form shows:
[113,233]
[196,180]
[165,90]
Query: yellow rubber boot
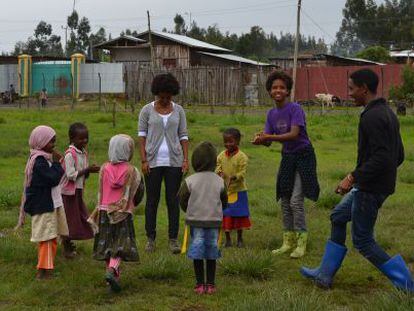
[302,240]
[288,243]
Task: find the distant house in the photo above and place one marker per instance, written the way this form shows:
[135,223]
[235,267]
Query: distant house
[403,57]
[320,60]
[172,51]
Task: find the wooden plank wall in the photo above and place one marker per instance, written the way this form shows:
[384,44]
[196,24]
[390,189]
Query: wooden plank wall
[199,85]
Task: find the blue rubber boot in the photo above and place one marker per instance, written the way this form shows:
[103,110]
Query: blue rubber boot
[397,271]
[331,262]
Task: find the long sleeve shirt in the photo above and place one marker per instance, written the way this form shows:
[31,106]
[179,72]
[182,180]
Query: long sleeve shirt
[380,149]
[233,166]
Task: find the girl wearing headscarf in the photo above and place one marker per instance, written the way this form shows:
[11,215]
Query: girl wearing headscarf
[120,191]
[42,198]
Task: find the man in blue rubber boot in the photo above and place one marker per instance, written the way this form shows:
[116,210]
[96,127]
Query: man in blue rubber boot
[380,152]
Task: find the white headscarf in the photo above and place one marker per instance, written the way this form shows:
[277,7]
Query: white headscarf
[121,148]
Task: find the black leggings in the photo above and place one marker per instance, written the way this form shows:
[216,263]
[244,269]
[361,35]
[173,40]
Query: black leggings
[199,271]
[172,178]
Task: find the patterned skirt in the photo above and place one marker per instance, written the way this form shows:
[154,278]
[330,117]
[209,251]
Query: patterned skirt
[115,240]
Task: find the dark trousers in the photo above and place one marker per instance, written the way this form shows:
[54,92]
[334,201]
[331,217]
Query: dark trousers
[361,208]
[172,178]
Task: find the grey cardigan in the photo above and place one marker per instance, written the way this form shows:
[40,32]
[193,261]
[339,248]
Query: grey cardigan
[151,126]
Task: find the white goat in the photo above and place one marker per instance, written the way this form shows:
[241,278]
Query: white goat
[327,99]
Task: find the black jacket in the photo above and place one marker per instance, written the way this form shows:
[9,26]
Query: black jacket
[39,193]
[380,149]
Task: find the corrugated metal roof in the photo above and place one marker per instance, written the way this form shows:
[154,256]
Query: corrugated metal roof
[236,58]
[405,53]
[186,41]
[364,60]
[130,38]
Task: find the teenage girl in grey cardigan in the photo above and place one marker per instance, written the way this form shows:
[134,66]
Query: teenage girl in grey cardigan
[162,129]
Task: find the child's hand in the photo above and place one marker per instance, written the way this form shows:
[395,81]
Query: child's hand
[94,168]
[145,168]
[56,156]
[20,222]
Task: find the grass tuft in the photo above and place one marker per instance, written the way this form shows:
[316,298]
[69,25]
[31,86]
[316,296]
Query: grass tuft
[167,267]
[249,263]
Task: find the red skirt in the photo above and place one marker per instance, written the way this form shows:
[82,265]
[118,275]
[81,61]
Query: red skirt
[236,223]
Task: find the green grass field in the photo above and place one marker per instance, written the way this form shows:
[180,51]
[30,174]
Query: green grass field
[247,279]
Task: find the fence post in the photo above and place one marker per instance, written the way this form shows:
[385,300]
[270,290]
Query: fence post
[73,93]
[114,112]
[43,78]
[20,79]
[100,90]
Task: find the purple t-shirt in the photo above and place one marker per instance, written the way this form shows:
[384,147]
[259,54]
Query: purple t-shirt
[280,120]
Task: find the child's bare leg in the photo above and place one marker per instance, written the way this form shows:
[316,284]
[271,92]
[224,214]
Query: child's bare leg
[228,240]
[240,238]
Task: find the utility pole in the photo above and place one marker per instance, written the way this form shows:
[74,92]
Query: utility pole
[150,40]
[295,56]
[66,39]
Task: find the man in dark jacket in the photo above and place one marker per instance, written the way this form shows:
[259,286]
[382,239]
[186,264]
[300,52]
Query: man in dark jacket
[380,152]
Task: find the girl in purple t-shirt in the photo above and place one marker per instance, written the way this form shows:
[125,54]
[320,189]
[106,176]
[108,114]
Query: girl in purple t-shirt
[297,177]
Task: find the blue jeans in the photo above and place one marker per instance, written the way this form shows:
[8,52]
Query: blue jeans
[361,208]
[204,243]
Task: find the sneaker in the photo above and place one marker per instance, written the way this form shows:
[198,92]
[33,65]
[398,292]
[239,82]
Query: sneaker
[150,247]
[174,247]
[228,243]
[199,289]
[240,244]
[210,289]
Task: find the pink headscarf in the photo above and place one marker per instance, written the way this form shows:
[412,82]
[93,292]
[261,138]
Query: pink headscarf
[39,138]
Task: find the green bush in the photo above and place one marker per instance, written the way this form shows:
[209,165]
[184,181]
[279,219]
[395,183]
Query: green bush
[406,90]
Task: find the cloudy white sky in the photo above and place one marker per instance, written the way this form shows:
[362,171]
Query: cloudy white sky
[320,18]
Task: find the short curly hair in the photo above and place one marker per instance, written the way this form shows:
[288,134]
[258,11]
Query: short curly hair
[74,128]
[165,83]
[279,75]
[233,132]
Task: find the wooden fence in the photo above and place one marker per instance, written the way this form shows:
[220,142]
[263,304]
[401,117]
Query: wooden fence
[202,85]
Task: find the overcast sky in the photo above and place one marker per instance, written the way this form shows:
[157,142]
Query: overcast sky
[320,18]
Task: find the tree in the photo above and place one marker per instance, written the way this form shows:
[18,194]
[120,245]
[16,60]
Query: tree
[376,54]
[365,23]
[129,32]
[43,42]
[96,38]
[179,27]
[79,34]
